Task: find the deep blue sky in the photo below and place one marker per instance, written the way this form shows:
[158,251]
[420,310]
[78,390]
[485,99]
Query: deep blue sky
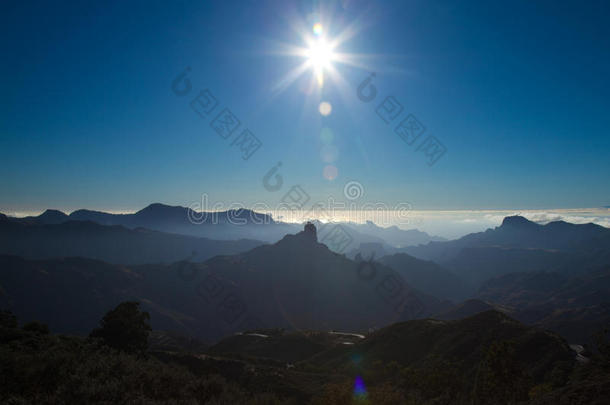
[517,92]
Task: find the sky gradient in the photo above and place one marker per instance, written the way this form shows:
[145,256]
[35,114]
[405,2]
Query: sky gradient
[517,93]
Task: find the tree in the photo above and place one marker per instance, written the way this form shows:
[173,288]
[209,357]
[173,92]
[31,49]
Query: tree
[8,320]
[125,328]
[36,327]
[501,379]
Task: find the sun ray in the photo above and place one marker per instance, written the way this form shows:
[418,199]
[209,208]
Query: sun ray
[290,77]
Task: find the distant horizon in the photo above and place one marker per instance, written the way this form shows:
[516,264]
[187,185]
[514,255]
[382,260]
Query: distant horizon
[68,211]
[450,224]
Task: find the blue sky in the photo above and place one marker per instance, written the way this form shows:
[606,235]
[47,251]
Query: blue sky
[517,93]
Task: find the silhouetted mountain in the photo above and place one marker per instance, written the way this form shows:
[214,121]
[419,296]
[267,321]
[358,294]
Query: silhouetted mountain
[114,244]
[296,283]
[427,276]
[169,218]
[299,283]
[223,225]
[230,225]
[518,232]
[518,222]
[52,217]
[521,245]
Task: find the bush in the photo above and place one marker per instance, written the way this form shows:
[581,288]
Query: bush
[36,327]
[125,328]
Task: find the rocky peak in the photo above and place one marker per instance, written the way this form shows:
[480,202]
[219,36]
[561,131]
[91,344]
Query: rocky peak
[517,221]
[310,231]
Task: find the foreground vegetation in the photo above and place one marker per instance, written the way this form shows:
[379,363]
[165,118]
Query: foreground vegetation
[114,366]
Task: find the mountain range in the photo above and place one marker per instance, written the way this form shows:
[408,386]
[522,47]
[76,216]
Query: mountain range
[113,244]
[549,275]
[296,283]
[227,225]
[520,245]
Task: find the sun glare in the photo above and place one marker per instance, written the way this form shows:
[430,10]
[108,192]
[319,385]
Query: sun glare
[319,56]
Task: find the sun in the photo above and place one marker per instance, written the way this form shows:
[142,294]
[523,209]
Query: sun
[319,56]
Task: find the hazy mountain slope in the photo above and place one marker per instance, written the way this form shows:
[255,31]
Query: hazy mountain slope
[574,306]
[478,264]
[518,232]
[113,244]
[70,295]
[222,225]
[427,276]
[519,245]
[393,235]
[230,224]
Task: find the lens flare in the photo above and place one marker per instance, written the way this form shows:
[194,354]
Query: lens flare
[325,108]
[317,29]
[330,172]
[326,136]
[359,388]
[329,153]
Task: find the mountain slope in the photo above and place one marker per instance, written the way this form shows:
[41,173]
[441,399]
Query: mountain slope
[296,283]
[300,282]
[427,276]
[465,309]
[416,343]
[393,235]
[220,225]
[518,232]
[113,244]
[228,225]
[70,295]
[574,306]
[519,245]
